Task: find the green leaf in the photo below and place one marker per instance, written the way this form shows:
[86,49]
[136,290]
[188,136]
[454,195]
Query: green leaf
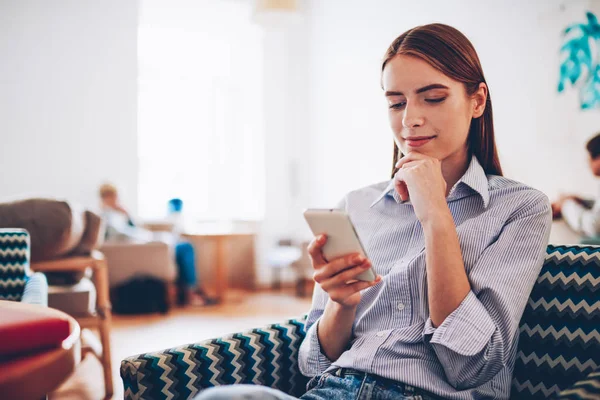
[577,50]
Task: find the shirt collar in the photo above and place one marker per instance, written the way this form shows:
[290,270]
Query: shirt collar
[474,177]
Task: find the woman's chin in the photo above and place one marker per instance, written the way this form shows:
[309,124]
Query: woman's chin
[425,150]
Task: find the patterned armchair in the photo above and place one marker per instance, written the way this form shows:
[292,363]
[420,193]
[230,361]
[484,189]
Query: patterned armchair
[559,348]
[17,282]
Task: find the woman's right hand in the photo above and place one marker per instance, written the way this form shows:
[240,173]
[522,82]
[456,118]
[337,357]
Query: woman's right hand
[333,275]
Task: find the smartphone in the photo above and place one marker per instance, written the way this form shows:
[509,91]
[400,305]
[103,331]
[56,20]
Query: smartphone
[342,238]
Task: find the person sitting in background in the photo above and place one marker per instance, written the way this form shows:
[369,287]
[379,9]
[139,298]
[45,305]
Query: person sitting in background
[582,215]
[120,226]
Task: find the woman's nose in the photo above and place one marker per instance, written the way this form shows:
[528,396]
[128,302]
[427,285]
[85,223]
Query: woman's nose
[412,117]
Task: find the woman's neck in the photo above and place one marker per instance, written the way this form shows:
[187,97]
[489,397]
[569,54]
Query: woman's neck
[454,167]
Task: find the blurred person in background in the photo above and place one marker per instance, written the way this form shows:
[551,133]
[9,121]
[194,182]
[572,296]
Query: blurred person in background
[583,215]
[121,226]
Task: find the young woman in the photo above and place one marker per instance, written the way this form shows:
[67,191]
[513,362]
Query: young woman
[457,247]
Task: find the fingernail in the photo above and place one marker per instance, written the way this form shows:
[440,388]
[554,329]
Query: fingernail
[358,259]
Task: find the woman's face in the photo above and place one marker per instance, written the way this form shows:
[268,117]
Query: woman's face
[110,199]
[429,112]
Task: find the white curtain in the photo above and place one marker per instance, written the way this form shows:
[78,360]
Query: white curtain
[200,109]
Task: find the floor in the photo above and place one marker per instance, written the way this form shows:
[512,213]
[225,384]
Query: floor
[139,334]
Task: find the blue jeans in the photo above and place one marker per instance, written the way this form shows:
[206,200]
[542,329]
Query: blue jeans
[341,384]
[186,264]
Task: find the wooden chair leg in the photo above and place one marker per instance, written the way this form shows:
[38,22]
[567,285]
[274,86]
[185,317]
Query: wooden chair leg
[172,295]
[299,287]
[276,282]
[106,360]
[105,315]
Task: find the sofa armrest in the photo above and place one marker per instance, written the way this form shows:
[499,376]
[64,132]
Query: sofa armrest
[263,356]
[126,260]
[586,388]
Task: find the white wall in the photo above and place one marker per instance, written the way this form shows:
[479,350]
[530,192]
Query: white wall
[540,134]
[68,95]
[325,113]
[285,99]
[68,92]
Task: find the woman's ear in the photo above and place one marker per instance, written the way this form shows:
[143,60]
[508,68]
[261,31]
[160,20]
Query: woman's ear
[480,100]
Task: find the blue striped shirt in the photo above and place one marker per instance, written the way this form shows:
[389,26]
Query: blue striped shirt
[503,228]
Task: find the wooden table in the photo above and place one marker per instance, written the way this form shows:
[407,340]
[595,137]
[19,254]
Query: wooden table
[35,375]
[219,234]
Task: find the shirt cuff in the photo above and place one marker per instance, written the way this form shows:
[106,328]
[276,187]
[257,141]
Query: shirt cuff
[466,331]
[316,356]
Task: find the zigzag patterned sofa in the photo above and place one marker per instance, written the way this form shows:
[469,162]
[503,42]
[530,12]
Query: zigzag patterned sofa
[559,349]
[17,282]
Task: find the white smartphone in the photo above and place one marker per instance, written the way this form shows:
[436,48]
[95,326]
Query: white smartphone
[342,238]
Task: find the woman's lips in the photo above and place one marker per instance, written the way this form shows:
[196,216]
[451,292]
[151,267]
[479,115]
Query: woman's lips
[418,141]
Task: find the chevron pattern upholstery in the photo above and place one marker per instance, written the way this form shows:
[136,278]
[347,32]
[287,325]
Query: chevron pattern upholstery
[17,283]
[559,341]
[264,356]
[558,356]
[14,259]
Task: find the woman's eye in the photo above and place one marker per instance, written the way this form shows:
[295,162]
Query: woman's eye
[435,100]
[398,106]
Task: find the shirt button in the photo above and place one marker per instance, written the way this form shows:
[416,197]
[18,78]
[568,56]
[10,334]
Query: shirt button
[400,306]
[380,333]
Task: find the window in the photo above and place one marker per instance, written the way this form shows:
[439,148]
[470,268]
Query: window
[200,134]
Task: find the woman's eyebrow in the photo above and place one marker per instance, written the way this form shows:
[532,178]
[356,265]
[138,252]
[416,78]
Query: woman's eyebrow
[421,90]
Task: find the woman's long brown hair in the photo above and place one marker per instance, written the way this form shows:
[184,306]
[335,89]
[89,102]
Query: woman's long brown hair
[449,51]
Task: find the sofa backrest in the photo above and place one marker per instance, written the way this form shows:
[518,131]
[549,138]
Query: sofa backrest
[559,340]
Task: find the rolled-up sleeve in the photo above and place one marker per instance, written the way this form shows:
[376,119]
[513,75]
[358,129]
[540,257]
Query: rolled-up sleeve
[311,359]
[477,339]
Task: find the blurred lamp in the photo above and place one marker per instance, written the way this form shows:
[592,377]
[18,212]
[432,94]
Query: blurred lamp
[276,13]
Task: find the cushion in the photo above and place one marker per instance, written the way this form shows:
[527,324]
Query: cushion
[78,300]
[55,227]
[93,235]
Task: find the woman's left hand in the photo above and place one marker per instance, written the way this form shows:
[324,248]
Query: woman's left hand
[420,178]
